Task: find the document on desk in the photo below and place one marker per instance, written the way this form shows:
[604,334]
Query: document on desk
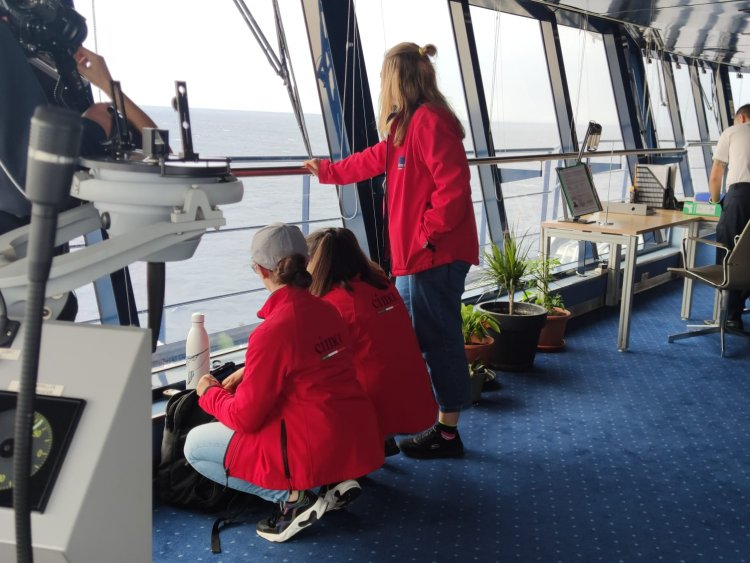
[579,190]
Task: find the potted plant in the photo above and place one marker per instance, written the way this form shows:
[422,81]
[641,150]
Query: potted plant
[475,325]
[552,336]
[479,374]
[507,266]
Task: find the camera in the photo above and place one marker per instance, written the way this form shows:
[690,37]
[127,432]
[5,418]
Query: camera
[46,26]
[50,31]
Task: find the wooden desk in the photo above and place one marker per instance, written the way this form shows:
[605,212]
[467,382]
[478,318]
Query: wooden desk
[623,230]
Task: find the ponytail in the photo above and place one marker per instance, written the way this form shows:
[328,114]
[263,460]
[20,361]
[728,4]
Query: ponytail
[292,271]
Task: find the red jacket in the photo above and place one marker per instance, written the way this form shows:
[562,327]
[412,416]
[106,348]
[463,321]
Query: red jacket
[389,363]
[429,196]
[298,399]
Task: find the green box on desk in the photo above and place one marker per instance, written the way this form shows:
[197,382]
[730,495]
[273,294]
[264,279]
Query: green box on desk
[702,208]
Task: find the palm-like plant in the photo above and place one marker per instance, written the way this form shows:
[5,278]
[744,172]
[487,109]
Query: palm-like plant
[507,265]
[475,324]
[541,270]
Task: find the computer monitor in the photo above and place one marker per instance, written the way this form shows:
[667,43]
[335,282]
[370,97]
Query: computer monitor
[579,191]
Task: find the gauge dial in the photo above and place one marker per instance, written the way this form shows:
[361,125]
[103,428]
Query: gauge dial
[41,445]
[53,425]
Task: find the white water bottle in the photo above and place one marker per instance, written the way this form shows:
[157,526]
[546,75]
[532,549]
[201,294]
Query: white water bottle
[197,356]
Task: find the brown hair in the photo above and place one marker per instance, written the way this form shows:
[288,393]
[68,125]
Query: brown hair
[744,111]
[336,259]
[407,81]
[292,271]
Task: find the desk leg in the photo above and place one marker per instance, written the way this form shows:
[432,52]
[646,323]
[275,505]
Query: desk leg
[687,288]
[626,305]
[613,274]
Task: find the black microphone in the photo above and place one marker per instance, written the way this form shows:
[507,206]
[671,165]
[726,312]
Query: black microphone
[54,142]
[53,149]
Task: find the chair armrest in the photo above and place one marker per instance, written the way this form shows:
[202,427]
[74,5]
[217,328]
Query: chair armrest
[702,241]
[708,242]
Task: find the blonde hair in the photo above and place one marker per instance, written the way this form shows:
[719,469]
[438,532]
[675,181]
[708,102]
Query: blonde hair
[407,81]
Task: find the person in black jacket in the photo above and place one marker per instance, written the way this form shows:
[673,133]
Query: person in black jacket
[20,93]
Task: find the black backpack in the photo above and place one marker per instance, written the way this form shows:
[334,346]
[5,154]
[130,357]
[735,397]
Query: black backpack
[178,483]
[182,486]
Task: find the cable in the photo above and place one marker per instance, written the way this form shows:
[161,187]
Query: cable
[12,179]
[583,31]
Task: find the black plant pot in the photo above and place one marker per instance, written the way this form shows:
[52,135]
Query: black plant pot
[516,343]
[476,385]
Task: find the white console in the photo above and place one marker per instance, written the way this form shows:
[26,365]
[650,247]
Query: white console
[100,505]
[626,208]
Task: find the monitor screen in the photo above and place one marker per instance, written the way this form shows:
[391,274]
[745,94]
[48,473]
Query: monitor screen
[579,190]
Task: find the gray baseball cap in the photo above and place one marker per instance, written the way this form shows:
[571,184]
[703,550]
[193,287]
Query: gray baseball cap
[276,241]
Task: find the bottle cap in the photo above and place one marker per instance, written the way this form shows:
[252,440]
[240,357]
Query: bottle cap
[198,317]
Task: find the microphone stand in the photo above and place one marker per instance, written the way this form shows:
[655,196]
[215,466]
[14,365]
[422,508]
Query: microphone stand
[53,149]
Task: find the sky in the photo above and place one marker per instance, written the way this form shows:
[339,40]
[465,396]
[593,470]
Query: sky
[149,44]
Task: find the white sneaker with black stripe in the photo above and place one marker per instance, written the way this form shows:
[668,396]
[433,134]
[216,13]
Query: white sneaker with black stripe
[338,495]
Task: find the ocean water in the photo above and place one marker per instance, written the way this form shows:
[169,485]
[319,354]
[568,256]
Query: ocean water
[221,264]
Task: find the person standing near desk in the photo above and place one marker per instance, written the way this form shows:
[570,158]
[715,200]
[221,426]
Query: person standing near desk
[733,152]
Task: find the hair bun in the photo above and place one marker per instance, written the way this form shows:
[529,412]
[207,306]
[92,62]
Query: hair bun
[430,50]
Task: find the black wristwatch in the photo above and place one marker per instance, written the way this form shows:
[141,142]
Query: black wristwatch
[429,246]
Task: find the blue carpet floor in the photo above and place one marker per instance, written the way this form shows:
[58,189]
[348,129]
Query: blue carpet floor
[596,455]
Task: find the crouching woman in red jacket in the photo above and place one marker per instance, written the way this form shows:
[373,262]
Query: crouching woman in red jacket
[295,418]
[387,358]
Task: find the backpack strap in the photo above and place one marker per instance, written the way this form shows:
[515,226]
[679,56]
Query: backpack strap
[231,517]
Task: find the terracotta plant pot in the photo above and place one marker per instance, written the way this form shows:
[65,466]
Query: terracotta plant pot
[480,350]
[551,338]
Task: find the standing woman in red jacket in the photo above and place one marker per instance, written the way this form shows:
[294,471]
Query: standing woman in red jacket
[295,417]
[387,359]
[431,228]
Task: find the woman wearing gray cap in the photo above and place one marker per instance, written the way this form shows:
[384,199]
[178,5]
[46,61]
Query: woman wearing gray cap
[295,418]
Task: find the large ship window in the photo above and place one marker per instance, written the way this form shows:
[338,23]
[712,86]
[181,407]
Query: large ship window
[660,111]
[592,99]
[239,107]
[522,115]
[389,22]
[711,108]
[690,126]
[740,88]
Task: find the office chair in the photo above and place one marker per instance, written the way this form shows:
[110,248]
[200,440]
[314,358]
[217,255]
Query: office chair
[732,274]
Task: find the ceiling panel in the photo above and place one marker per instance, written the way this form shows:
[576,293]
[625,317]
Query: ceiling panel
[714,31]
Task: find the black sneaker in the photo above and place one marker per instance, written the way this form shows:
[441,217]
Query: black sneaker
[391,447]
[290,517]
[340,494]
[431,445]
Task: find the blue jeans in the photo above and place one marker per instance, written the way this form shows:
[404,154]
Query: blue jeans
[205,449]
[433,299]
